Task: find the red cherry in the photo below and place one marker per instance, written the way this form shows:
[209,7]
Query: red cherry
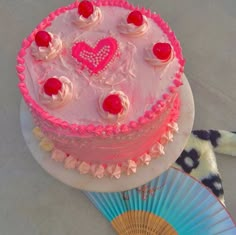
[112,104]
[135,17]
[42,39]
[52,86]
[85,8]
[162,50]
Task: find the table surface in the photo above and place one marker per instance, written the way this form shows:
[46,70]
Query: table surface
[31,201]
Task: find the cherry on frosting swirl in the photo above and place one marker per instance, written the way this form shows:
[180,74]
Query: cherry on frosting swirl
[135,17]
[133,30]
[155,57]
[42,39]
[47,53]
[92,20]
[114,115]
[112,104]
[85,8]
[54,99]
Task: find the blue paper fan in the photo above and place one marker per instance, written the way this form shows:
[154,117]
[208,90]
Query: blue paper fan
[173,203]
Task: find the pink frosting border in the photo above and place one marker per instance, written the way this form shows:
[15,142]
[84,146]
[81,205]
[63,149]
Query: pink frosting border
[92,129]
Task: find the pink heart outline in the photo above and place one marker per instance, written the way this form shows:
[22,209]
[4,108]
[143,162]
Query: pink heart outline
[95,58]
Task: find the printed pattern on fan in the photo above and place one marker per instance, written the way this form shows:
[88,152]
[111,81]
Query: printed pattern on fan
[145,191]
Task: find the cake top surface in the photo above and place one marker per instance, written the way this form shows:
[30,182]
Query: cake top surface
[108,71]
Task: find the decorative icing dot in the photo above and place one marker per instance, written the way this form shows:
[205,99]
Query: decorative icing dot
[162,50]
[135,17]
[42,39]
[93,58]
[112,104]
[52,86]
[85,8]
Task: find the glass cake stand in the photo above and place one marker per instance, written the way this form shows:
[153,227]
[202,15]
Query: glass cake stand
[106,184]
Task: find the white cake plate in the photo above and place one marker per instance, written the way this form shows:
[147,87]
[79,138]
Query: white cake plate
[106,184]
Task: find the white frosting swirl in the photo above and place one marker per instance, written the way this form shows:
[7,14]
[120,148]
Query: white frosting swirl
[153,60]
[145,159]
[131,29]
[169,136]
[92,20]
[58,155]
[47,53]
[156,150]
[114,171]
[70,162]
[114,117]
[46,144]
[98,171]
[131,167]
[84,168]
[38,133]
[62,97]
[174,126]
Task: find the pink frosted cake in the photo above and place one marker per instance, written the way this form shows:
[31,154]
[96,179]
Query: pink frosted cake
[101,80]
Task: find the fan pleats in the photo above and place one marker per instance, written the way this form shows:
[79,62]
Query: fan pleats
[173,203]
[141,223]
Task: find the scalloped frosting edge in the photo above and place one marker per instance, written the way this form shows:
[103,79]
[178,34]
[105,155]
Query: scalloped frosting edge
[91,129]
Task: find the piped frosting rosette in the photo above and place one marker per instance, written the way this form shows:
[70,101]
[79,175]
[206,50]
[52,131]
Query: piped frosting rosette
[63,96]
[91,21]
[132,30]
[47,53]
[114,113]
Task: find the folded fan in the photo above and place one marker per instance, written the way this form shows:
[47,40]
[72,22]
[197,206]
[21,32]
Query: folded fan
[173,203]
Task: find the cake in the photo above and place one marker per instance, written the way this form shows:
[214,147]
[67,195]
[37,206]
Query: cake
[101,80]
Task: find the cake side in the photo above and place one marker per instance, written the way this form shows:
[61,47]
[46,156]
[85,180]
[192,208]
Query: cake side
[114,155]
[117,148]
